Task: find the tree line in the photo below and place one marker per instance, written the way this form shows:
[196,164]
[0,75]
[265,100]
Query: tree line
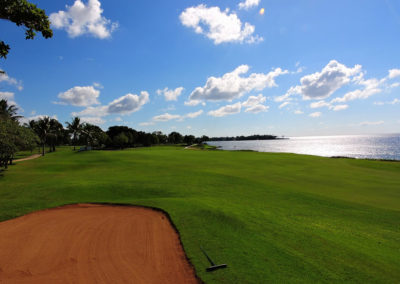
[49,132]
[243,138]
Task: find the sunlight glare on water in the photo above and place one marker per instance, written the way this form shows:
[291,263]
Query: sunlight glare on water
[367,147]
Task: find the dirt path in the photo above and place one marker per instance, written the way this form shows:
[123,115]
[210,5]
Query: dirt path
[28,158]
[87,243]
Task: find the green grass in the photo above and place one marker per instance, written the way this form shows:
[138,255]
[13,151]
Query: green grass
[25,154]
[271,217]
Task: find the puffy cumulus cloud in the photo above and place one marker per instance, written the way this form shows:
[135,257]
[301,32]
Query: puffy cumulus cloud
[80,96]
[315,114]
[219,26]
[10,80]
[166,117]
[393,73]
[233,85]
[371,87]
[320,85]
[80,19]
[226,110]
[93,120]
[257,108]
[123,105]
[254,100]
[247,4]
[128,103]
[254,104]
[170,95]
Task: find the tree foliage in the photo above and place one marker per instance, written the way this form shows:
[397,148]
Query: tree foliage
[24,13]
[13,137]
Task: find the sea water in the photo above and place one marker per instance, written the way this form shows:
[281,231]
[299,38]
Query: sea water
[354,146]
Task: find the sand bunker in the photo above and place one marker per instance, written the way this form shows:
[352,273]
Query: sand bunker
[92,244]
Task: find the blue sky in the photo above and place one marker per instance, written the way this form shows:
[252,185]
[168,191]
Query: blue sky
[212,67]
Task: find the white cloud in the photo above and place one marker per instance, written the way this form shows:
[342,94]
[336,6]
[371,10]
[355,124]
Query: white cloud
[254,100]
[118,119]
[232,85]
[319,104]
[257,108]
[166,117]
[124,105]
[394,102]
[128,103]
[247,4]
[298,112]
[80,96]
[10,81]
[194,114]
[339,107]
[226,110]
[282,105]
[394,85]
[193,103]
[393,73]
[80,19]
[315,114]
[35,118]
[371,123]
[219,26]
[93,120]
[9,97]
[320,85]
[371,87]
[170,95]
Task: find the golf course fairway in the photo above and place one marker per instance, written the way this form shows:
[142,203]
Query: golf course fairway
[270,217]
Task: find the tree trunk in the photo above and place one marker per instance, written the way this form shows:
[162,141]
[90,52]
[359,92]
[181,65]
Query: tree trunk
[43,149]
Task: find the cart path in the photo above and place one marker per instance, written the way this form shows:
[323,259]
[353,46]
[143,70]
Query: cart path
[88,243]
[28,158]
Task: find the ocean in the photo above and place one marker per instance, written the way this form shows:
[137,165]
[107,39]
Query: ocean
[353,146]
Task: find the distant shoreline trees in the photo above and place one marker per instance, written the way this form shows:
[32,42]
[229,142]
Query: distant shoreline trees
[243,138]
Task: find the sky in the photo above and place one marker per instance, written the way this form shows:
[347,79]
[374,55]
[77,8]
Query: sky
[216,68]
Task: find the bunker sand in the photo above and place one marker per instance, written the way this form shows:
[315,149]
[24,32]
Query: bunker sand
[88,243]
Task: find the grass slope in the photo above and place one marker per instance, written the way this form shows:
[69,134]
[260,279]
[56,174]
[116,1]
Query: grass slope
[270,217]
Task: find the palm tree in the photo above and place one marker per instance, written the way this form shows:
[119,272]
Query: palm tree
[42,128]
[75,128]
[55,133]
[8,111]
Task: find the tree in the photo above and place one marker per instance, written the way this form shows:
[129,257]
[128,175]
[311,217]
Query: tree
[42,128]
[120,140]
[175,138]
[55,134]
[23,13]
[75,129]
[94,135]
[13,137]
[8,111]
[189,139]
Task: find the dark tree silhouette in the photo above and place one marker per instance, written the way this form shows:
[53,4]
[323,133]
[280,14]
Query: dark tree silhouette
[26,14]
